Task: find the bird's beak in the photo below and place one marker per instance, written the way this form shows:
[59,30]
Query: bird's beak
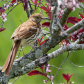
[45,18]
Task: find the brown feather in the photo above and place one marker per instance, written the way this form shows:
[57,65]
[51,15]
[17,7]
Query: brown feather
[24,35]
[8,64]
[25,30]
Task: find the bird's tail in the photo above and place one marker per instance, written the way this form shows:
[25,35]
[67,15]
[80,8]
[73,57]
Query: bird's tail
[10,59]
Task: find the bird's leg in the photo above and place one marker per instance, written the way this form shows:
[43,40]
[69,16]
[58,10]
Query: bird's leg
[19,53]
[34,45]
[22,50]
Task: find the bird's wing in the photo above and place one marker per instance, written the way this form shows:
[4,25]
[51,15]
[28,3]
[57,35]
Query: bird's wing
[25,30]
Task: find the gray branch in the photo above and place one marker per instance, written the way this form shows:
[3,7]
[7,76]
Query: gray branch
[44,59]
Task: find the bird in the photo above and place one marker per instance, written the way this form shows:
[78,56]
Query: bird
[25,35]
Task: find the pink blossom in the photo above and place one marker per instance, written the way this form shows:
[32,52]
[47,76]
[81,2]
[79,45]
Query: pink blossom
[45,81]
[47,68]
[6,6]
[71,3]
[3,16]
[50,77]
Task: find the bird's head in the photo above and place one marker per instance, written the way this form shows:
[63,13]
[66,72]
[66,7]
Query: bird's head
[37,17]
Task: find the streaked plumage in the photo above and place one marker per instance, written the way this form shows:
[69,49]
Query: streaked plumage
[24,35]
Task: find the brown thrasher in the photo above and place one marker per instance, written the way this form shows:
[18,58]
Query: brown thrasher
[26,34]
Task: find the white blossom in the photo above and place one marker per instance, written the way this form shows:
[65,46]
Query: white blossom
[3,16]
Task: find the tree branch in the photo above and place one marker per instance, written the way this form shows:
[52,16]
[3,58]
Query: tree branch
[44,59]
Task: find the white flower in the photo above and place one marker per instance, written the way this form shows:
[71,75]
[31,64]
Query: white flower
[9,83]
[50,77]
[64,43]
[3,16]
[6,6]
[17,3]
[4,19]
[72,82]
[52,7]
[47,68]
[52,83]
[45,81]
[60,2]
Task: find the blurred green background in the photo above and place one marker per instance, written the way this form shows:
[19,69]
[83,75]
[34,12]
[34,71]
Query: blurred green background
[77,57]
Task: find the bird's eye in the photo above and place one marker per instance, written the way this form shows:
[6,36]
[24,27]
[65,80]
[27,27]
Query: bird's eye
[37,17]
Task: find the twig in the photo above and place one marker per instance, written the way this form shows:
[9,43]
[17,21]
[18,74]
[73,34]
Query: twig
[62,30]
[61,66]
[81,5]
[28,10]
[2,24]
[12,8]
[31,11]
[15,80]
[53,16]
[74,64]
[46,8]
[57,67]
[8,13]
[28,15]
[74,28]
[21,21]
[1,0]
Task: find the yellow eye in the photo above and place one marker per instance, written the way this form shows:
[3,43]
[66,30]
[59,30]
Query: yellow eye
[37,17]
